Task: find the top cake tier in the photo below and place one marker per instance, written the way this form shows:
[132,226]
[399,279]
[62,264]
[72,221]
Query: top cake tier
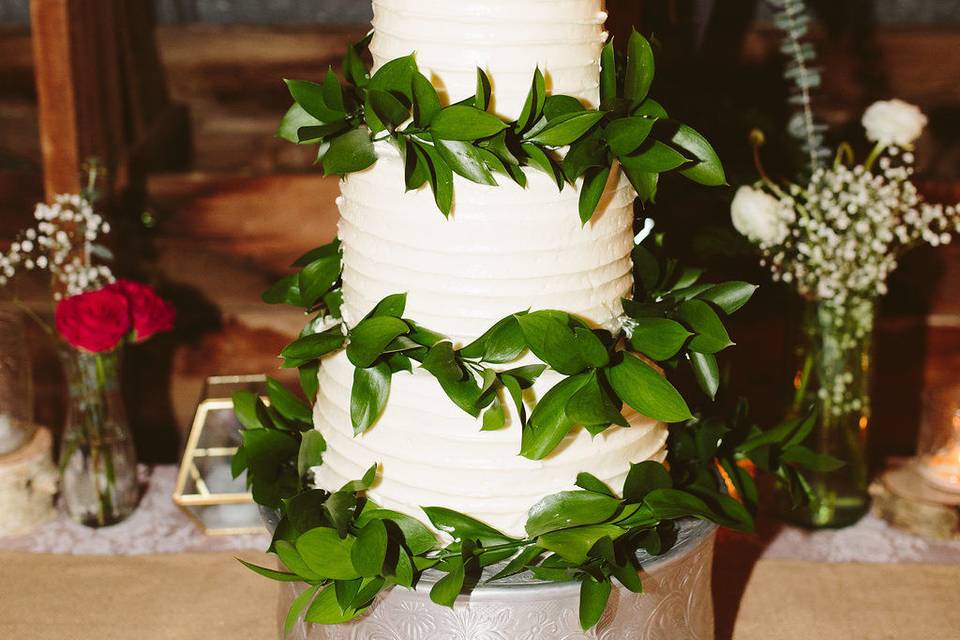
[508,39]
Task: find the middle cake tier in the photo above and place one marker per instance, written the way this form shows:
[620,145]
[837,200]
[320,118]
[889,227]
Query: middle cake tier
[430,453]
[503,250]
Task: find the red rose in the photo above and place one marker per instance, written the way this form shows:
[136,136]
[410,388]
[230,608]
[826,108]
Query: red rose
[149,313]
[94,321]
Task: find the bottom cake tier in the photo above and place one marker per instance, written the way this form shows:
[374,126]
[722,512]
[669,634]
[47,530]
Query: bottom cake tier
[676,604]
[431,453]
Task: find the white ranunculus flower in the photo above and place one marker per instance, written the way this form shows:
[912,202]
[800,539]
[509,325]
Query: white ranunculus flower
[760,217]
[893,122]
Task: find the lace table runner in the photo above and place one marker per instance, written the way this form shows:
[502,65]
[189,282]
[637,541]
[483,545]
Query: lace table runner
[158,526]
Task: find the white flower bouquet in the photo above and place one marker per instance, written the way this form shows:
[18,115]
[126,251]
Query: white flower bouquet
[838,238]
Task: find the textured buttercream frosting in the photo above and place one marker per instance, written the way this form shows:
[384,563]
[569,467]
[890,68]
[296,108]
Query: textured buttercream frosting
[503,250]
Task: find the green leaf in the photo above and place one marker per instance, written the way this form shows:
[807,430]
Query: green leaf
[706,371]
[293,120]
[644,477]
[552,341]
[566,129]
[370,338]
[538,158]
[559,105]
[391,306]
[416,166]
[447,588]
[289,405]
[494,417]
[701,318]
[811,460]
[418,538]
[370,549]
[649,393]
[314,345]
[317,278]
[593,601]
[518,563]
[608,72]
[348,153]
[591,348]
[574,544]
[594,184]
[462,122]
[589,151]
[549,422]
[292,560]
[353,67]
[441,179]
[391,111]
[456,383]
[658,338]
[463,527]
[643,182]
[533,106]
[327,554]
[332,91]
[364,483]
[326,610]
[671,504]
[309,95]
[481,98]
[650,108]
[297,608]
[640,68]
[245,408]
[310,454]
[653,157]
[426,102]
[273,574]
[708,171]
[591,405]
[368,397]
[569,509]
[592,483]
[729,296]
[284,291]
[503,342]
[395,77]
[464,159]
[625,135]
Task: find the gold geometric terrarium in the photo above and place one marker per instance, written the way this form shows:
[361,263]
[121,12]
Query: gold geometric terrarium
[206,489]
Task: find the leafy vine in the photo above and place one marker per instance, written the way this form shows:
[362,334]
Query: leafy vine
[397,103]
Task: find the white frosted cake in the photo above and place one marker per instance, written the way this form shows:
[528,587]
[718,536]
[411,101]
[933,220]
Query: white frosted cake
[503,250]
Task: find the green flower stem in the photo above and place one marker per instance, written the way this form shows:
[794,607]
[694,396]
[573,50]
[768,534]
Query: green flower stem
[878,149]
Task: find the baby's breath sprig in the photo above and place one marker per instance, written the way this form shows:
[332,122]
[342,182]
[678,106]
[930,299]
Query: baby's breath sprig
[64,242]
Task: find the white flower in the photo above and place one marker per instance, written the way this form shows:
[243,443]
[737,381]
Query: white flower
[893,122]
[760,217]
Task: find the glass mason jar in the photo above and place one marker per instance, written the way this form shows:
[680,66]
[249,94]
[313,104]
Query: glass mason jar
[16,384]
[98,465]
[833,379]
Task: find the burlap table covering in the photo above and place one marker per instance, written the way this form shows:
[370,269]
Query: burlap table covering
[210,596]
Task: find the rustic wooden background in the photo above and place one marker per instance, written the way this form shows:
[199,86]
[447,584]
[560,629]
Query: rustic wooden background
[216,231]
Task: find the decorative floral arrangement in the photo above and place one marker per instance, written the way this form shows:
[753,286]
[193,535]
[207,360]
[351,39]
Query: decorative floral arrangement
[838,238]
[95,311]
[95,314]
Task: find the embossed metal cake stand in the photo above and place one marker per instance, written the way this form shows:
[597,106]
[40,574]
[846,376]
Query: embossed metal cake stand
[676,605]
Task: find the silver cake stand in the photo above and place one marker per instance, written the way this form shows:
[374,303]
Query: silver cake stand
[676,605]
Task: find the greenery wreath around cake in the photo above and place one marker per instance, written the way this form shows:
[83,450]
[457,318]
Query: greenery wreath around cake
[345,547]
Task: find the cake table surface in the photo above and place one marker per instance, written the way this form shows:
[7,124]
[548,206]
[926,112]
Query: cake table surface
[871,562]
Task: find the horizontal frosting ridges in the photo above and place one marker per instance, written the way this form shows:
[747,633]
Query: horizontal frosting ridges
[507,39]
[433,454]
[503,250]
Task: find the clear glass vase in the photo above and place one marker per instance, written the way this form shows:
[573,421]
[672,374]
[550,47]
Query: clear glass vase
[16,384]
[98,465]
[833,379]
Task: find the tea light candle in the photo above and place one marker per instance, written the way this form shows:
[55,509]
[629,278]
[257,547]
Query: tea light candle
[941,468]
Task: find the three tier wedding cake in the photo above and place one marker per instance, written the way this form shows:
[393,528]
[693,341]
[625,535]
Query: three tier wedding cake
[487,345]
[502,250]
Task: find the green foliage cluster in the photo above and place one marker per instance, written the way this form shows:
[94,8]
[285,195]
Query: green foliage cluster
[555,134]
[347,549]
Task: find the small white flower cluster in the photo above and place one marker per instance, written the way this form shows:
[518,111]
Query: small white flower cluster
[851,227]
[61,242]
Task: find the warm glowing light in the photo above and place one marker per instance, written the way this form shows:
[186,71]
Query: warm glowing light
[864,422]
